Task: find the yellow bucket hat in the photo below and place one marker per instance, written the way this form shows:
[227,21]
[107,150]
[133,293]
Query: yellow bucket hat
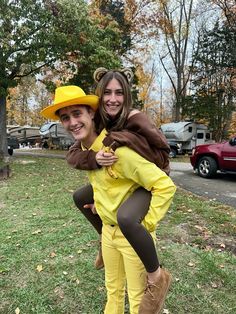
[68,96]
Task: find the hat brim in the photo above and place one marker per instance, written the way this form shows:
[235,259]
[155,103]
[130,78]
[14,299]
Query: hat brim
[88,100]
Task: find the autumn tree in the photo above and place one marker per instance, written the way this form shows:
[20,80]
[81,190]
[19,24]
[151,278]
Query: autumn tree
[228,8]
[25,101]
[232,126]
[213,94]
[91,46]
[175,21]
[134,21]
[18,102]
[39,33]
[110,12]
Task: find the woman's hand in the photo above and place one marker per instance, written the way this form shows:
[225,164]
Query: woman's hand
[92,207]
[105,159]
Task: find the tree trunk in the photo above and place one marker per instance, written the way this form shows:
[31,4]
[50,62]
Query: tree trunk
[3,131]
[5,171]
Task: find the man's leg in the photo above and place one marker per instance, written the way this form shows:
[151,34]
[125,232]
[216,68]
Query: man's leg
[134,271]
[114,272]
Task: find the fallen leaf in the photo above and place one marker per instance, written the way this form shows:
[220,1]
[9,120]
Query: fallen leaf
[198,227]
[53,254]
[206,235]
[59,292]
[37,231]
[77,281]
[222,266]
[39,268]
[191,264]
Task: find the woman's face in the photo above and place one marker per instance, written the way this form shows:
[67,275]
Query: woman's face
[113,98]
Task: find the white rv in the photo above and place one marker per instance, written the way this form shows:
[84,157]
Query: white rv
[185,135]
[55,136]
[25,134]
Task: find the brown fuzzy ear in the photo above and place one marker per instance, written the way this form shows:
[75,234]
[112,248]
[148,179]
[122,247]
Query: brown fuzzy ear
[98,74]
[128,74]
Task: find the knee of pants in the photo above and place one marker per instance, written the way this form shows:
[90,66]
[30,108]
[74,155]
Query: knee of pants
[125,222]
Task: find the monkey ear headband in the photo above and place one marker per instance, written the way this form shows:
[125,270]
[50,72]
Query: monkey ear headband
[100,72]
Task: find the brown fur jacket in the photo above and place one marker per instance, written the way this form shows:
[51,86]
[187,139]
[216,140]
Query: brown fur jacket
[139,134]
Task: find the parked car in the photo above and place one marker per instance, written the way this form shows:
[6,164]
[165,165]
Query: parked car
[210,158]
[12,143]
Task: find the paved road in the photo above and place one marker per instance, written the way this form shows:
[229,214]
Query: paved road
[222,188]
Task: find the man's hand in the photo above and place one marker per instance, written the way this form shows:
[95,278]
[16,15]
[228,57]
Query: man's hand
[105,159]
[92,207]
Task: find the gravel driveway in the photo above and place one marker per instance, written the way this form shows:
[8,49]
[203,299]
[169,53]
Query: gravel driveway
[222,188]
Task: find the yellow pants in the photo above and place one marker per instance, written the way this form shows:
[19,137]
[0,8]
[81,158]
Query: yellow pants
[122,267]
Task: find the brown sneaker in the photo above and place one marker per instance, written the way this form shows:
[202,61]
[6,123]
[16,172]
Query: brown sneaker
[155,294]
[99,260]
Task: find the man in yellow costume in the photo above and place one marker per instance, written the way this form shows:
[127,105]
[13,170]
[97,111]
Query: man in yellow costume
[111,187]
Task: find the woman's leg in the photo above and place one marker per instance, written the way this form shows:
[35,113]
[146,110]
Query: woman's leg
[129,216]
[82,197]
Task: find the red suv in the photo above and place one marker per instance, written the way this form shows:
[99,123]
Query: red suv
[207,159]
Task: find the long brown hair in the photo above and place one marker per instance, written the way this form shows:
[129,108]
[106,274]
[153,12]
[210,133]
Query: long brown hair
[102,119]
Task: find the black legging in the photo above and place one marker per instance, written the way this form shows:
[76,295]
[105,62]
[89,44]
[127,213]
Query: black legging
[129,217]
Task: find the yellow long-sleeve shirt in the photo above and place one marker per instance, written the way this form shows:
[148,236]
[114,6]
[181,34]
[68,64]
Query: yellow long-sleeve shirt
[132,171]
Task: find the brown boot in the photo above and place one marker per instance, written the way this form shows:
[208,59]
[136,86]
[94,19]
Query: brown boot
[99,260]
[155,294]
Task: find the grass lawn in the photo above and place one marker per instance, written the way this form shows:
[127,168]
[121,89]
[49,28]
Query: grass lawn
[47,248]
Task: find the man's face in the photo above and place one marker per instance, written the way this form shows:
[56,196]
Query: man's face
[78,120]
